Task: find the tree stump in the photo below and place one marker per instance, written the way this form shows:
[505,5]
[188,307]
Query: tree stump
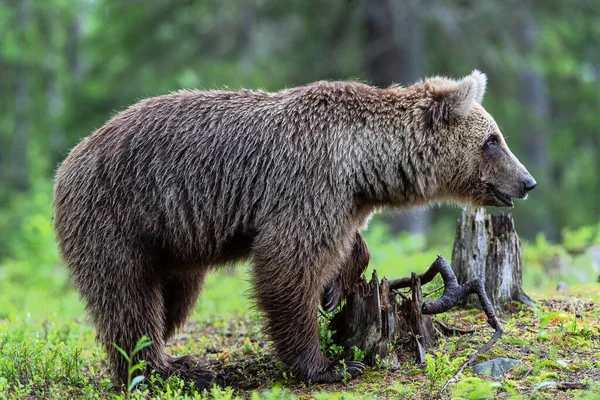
[368,320]
[372,321]
[487,259]
[416,329]
[488,246]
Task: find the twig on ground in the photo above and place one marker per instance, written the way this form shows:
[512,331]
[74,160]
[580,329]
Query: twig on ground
[450,330]
[572,386]
[433,291]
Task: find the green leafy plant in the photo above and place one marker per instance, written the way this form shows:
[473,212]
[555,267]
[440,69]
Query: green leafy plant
[436,368]
[357,354]
[439,368]
[132,382]
[473,388]
[330,349]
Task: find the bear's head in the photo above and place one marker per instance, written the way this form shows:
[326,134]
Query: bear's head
[476,166]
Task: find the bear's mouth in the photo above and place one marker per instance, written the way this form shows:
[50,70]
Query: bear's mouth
[503,198]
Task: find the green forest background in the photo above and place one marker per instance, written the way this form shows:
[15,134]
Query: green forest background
[67,66]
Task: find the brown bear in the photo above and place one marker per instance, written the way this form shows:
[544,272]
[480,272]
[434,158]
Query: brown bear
[179,185]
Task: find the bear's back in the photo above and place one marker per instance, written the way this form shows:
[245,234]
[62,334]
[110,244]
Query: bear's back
[189,165]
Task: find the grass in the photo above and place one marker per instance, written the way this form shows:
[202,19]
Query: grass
[56,357]
[47,348]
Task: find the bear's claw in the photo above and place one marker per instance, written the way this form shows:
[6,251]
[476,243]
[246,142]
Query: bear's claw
[332,296]
[190,371]
[338,371]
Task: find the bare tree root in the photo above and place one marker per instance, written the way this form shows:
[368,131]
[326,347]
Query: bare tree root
[451,330]
[453,294]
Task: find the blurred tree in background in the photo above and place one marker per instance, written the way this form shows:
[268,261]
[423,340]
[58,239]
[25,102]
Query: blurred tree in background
[66,66]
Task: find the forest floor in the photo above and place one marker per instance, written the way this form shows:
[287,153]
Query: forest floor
[558,348]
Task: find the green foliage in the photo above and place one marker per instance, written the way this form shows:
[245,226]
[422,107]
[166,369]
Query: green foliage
[67,66]
[357,354]
[578,240]
[591,393]
[546,263]
[132,381]
[473,389]
[439,368]
[57,358]
[73,64]
[330,349]
[32,278]
[394,256]
[400,391]
[38,355]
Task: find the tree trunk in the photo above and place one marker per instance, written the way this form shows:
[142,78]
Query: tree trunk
[535,100]
[22,96]
[488,246]
[55,106]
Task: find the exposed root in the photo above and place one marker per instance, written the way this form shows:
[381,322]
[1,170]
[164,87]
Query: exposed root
[452,295]
[450,330]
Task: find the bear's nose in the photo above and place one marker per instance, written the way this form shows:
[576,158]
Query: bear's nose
[529,184]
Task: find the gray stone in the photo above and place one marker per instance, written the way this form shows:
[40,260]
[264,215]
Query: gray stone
[562,287]
[496,367]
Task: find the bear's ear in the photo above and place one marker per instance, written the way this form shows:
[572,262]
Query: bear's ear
[452,98]
[480,83]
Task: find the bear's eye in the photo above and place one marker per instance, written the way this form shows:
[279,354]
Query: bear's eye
[492,141]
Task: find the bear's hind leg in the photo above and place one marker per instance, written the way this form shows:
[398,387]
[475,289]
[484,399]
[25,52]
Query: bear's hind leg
[125,297]
[125,302]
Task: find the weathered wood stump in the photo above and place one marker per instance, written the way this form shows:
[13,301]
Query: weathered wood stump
[368,320]
[487,258]
[416,329]
[372,320]
[488,246]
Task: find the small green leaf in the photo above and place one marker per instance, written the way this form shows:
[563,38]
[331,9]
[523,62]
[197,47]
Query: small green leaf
[122,352]
[136,367]
[141,344]
[135,381]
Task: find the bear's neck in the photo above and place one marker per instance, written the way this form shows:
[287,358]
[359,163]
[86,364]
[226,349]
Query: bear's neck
[392,157]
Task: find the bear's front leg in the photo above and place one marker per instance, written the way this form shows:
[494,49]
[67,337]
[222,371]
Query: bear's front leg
[349,276]
[288,280]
